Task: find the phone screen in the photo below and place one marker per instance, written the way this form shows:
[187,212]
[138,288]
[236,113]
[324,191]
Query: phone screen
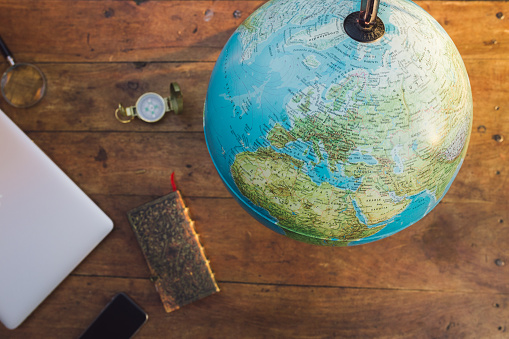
[120,319]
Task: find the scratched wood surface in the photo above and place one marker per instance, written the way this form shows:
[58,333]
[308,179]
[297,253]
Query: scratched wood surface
[445,277]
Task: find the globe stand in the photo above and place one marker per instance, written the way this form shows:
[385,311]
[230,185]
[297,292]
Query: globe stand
[365,26]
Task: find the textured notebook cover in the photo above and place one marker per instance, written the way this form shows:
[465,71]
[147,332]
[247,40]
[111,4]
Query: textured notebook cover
[178,265]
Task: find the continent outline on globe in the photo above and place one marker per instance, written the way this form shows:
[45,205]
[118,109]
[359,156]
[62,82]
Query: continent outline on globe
[331,141]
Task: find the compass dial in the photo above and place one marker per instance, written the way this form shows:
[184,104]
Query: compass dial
[150,107]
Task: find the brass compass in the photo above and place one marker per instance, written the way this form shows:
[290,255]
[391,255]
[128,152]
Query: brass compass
[151,107]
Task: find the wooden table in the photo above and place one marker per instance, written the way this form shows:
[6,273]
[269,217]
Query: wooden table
[445,277]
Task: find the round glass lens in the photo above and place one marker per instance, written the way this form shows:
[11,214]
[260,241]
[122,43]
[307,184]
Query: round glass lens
[23,85]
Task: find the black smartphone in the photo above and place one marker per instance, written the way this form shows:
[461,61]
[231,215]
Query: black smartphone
[120,319]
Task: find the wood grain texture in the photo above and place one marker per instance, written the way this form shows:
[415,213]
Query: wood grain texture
[452,249]
[444,277]
[106,31]
[145,160]
[273,311]
[76,102]
[76,99]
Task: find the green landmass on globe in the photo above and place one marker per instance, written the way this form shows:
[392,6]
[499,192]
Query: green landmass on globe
[332,141]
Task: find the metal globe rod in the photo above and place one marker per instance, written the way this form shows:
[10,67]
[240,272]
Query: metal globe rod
[365,25]
[368,12]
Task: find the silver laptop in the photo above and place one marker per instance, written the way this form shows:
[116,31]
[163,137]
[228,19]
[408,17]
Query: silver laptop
[47,225]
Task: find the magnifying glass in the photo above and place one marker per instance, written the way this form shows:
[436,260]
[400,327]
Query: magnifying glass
[22,85]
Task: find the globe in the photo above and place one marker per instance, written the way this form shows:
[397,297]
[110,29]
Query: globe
[333,141]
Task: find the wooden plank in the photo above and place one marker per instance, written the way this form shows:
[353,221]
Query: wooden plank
[141,163]
[482,178]
[134,163]
[83,97]
[484,173]
[251,311]
[76,99]
[455,248]
[120,30]
[106,31]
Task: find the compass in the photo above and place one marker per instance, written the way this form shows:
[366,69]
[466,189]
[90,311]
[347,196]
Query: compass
[151,107]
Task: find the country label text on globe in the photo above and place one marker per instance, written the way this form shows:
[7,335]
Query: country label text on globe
[332,141]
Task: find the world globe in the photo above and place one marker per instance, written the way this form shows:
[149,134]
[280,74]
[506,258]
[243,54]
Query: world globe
[331,140]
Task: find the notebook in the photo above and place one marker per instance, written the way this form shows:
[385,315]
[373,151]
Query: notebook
[47,225]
